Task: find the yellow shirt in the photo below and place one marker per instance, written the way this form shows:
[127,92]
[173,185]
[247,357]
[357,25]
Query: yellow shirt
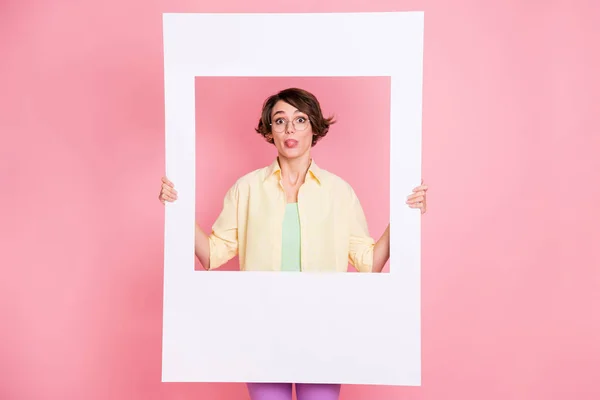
[332,222]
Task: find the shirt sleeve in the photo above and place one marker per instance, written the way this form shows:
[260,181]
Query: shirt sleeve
[361,246]
[223,240]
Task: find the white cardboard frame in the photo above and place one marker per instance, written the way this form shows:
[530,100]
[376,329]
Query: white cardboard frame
[322,328]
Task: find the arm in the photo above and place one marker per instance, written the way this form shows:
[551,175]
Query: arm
[202,247]
[221,245]
[361,249]
[381,252]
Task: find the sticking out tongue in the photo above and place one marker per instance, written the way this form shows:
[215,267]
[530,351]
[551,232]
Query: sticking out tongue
[291,143]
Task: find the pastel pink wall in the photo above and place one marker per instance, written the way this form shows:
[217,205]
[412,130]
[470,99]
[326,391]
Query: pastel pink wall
[356,147]
[511,263]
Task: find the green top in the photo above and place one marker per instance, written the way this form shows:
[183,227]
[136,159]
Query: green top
[290,248]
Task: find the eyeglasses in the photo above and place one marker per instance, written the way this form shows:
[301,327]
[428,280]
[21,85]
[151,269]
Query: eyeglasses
[280,124]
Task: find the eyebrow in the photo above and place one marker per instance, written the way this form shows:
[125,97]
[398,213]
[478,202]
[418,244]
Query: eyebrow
[283,112]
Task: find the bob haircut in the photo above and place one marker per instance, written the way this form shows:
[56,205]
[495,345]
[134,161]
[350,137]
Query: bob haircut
[305,102]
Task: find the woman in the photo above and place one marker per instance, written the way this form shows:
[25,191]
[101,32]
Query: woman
[292,216]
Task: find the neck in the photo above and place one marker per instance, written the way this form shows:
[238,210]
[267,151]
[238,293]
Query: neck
[294,171]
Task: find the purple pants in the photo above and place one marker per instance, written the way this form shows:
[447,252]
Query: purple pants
[283,391]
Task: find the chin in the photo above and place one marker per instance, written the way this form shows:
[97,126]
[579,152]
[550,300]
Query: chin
[292,153]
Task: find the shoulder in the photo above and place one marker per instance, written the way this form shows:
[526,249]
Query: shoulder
[252,178]
[336,184]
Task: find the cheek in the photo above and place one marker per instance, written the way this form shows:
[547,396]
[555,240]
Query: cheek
[309,141]
[277,138]
[307,136]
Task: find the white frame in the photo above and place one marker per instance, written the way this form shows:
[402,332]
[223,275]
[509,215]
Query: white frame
[228,326]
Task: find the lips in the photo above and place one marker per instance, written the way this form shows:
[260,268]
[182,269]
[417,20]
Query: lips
[291,143]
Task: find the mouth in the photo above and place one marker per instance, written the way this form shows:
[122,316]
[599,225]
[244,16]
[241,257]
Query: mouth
[290,143]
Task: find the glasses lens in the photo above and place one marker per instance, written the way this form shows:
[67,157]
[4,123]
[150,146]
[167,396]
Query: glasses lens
[280,125]
[300,123]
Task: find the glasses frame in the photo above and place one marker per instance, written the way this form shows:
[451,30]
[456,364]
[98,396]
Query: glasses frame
[284,126]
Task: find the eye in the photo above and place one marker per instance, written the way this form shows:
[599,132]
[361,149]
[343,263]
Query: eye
[301,120]
[279,121]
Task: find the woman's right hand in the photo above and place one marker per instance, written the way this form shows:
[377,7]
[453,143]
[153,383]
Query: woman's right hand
[167,191]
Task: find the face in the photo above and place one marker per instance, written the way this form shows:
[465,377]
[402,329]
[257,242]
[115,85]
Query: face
[291,131]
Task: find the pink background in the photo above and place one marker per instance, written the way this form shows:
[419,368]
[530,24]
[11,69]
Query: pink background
[356,147]
[511,262]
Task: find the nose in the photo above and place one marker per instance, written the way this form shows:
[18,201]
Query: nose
[289,127]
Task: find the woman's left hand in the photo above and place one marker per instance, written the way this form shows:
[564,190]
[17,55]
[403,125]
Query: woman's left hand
[418,198]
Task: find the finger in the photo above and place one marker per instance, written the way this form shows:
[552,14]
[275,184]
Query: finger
[169,189]
[166,181]
[421,188]
[418,194]
[171,195]
[415,195]
[168,196]
[415,201]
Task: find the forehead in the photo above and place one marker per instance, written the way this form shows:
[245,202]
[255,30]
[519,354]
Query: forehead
[282,107]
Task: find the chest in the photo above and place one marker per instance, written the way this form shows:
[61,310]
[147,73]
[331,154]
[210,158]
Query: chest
[266,204]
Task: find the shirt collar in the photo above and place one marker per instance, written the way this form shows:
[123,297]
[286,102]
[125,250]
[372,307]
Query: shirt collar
[313,171]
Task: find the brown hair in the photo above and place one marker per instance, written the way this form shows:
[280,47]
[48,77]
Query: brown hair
[304,101]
